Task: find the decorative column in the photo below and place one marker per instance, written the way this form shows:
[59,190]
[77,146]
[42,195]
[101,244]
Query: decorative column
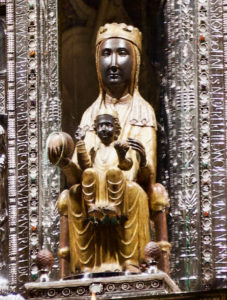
[4,234]
[50,116]
[33,109]
[10,23]
[196,107]
[218,136]
[181,102]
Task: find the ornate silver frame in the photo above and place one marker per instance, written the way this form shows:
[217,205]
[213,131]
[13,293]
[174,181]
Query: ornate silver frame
[196,105]
[195,90]
[32,96]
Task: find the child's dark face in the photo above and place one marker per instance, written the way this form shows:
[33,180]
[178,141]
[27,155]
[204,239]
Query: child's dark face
[105,128]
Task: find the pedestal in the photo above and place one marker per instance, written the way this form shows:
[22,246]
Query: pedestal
[130,286]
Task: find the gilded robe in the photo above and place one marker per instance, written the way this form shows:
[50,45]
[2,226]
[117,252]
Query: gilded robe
[111,248]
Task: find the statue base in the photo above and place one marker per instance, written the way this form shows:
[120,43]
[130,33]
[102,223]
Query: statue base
[114,287]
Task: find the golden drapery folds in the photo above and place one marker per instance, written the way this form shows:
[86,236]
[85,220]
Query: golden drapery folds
[120,246]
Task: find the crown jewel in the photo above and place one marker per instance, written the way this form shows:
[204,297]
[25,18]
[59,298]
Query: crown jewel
[115,30]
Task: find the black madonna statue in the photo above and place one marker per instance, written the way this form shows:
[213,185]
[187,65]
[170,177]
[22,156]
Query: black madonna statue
[111,169]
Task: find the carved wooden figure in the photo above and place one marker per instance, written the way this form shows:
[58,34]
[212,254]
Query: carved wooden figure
[105,212]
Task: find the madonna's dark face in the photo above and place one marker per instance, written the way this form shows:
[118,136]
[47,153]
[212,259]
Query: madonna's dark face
[115,65]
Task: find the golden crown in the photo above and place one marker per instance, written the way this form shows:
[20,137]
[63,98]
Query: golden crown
[115,30]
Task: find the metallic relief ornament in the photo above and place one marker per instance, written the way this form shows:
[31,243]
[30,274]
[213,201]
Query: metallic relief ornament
[2,96]
[50,114]
[204,138]
[138,286]
[2,64]
[25,57]
[33,135]
[181,106]
[10,26]
[224,271]
[4,233]
[218,131]
[3,209]
[22,143]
